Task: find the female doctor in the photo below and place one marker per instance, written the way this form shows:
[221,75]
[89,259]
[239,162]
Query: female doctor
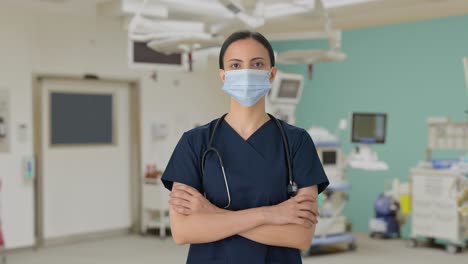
[244,186]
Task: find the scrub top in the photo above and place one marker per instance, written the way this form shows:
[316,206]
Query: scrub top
[256,172]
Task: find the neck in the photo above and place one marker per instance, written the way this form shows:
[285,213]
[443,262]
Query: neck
[247,119]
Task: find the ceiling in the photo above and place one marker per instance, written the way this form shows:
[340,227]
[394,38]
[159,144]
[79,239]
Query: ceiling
[69,7]
[359,15]
[376,14]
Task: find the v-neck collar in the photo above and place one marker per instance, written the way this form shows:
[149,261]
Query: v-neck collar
[253,134]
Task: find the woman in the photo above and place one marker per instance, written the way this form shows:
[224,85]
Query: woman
[233,198]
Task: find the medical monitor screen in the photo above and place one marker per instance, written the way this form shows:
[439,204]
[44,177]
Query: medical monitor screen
[289,89]
[329,157]
[369,128]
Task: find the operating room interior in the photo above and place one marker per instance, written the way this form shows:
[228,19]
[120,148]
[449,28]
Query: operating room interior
[95,95]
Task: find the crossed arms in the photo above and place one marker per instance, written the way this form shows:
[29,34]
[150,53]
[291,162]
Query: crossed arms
[289,224]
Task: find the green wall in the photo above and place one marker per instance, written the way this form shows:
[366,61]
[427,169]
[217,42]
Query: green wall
[411,71]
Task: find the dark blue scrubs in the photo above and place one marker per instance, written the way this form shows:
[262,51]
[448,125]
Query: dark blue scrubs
[256,172]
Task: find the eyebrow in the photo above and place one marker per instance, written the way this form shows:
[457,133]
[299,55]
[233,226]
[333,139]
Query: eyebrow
[256,58]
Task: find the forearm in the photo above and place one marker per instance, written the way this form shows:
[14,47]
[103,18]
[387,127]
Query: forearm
[289,224]
[292,236]
[210,227]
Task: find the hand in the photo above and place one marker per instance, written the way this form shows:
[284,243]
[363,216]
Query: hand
[300,210]
[187,200]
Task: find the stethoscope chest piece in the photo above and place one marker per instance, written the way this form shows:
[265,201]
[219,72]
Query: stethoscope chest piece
[292,189]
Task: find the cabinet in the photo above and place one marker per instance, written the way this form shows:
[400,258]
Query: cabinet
[155,207]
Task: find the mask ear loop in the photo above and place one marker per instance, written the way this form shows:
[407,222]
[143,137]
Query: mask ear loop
[269,74]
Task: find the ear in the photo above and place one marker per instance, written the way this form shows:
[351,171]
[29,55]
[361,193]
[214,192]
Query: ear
[274,70]
[221,74]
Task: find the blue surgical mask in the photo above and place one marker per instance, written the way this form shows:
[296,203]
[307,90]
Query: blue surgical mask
[246,86]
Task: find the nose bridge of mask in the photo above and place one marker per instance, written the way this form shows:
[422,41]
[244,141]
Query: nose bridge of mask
[250,76]
[259,76]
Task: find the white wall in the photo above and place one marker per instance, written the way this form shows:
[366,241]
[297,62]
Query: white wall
[54,44]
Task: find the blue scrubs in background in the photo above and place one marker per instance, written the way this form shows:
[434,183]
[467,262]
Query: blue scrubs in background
[256,172]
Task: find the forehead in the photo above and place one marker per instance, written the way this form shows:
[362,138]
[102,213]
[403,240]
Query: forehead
[245,49]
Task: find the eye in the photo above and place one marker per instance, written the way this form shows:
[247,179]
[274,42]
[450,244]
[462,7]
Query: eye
[258,64]
[235,65]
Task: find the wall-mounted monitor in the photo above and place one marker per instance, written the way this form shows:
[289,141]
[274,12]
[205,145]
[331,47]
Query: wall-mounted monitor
[369,128]
[286,88]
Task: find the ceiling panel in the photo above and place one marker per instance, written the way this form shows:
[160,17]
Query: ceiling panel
[359,15]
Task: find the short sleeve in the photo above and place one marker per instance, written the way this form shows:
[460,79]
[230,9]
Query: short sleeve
[183,167]
[307,168]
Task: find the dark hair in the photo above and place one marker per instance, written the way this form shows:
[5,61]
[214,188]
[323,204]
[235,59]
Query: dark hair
[246,34]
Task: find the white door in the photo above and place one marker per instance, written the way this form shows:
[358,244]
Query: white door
[85,186]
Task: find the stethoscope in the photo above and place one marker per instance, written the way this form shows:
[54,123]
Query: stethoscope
[292,186]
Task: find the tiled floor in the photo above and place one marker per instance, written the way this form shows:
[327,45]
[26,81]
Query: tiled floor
[152,250]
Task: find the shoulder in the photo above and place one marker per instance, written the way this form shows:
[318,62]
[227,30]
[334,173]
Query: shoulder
[294,133]
[198,137]
[296,136]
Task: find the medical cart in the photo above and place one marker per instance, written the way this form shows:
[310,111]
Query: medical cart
[439,193]
[435,212]
[333,227]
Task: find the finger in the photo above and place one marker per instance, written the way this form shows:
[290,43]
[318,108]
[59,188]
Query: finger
[315,212]
[308,216]
[188,189]
[307,222]
[305,198]
[181,187]
[303,222]
[179,202]
[181,195]
[181,210]
[308,206]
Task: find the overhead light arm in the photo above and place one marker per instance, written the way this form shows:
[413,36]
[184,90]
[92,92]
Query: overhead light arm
[334,40]
[136,18]
[248,20]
